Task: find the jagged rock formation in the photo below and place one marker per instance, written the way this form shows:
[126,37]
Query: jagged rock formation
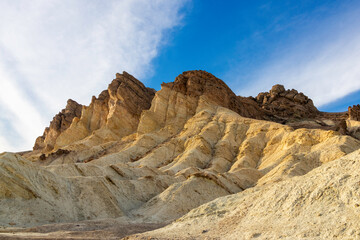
[298,111]
[200,83]
[59,124]
[116,111]
[141,156]
[287,103]
[354,112]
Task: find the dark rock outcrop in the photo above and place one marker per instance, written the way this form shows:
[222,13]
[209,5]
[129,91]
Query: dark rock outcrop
[354,112]
[287,103]
[197,83]
[131,93]
[60,123]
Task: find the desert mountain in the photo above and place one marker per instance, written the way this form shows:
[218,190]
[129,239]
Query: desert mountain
[146,157]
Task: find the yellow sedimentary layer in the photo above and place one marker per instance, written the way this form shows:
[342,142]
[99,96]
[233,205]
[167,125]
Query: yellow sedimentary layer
[323,204]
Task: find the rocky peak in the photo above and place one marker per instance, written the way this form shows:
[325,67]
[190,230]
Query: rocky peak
[198,82]
[131,93]
[60,123]
[64,118]
[287,103]
[277,89]
[117,109]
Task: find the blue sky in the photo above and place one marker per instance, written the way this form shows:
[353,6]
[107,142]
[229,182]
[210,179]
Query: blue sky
[253,46]
[52,50]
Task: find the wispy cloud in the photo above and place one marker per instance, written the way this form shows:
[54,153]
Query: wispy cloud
[323,62]
[54,50]
[18,113]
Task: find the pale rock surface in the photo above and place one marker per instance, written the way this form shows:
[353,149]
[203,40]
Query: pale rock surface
[353,127]
[323,204]
[31,195]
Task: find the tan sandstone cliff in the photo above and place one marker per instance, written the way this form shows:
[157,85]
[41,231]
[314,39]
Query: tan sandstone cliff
[114,113]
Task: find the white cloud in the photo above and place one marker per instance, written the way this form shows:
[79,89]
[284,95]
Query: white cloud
[322,63]
[54,50]
[19,114]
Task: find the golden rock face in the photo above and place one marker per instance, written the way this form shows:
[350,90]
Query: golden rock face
[116,109]
[153,158]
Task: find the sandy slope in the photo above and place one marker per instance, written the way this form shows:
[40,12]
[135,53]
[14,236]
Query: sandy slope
[323,204]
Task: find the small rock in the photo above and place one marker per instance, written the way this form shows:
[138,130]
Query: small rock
[277,89]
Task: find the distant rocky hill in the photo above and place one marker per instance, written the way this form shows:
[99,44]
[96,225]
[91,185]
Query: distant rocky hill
[143,157]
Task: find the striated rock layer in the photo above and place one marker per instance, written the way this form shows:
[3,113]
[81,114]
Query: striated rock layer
[323,204]
[116,111]
[145,157]
[59,124]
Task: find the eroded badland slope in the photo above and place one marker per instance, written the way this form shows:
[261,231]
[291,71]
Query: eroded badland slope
[323,204]
[275,165]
